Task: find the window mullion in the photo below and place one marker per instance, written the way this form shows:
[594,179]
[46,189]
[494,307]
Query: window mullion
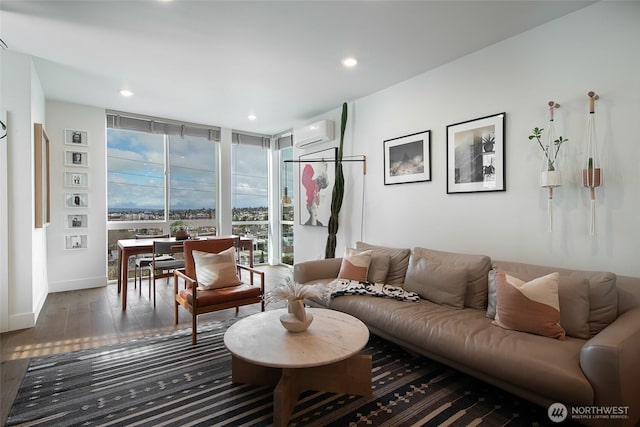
[167,180]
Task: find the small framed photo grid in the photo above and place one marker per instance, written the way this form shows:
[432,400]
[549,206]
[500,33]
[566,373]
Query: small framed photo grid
[76,158]
[76,241]
[76,137]
[407,158]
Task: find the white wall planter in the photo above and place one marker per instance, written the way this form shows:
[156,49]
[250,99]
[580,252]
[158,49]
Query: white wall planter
[550,179]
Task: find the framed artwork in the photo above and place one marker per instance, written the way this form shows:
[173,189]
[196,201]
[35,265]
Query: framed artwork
[76,158]
[317,176]
[407,158]
[475,155]
[76,179]
[76,137]
[78,221]
[76,200]
[41,177]
[76,241]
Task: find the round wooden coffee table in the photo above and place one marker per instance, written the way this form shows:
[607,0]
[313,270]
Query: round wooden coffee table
[324,357]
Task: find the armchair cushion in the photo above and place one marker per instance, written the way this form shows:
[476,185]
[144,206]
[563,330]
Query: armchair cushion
[222,295]
[215,271]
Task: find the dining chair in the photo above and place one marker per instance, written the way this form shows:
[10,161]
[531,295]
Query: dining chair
[163,262]
[215,282]
[144,260]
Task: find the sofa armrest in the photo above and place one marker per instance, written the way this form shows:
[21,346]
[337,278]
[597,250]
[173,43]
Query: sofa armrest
[308,271]
[610,362]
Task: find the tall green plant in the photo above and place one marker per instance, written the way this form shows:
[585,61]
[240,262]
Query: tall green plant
[337,194]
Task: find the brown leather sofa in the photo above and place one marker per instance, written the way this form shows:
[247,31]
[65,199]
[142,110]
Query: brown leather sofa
[597,365]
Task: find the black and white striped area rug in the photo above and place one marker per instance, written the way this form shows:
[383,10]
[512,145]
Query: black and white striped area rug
[165,381]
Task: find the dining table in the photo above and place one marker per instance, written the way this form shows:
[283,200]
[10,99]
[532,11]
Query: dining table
[131,247]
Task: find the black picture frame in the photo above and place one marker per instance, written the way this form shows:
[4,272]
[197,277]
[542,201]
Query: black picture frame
[476,155]
[407,158]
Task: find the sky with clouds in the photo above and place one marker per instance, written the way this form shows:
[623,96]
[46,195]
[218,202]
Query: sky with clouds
[135,172]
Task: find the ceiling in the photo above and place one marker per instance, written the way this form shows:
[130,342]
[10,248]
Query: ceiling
[216,62]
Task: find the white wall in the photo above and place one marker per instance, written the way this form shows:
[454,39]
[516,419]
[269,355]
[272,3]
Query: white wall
[26,287]
[592,49]
[77,268]
[39,248]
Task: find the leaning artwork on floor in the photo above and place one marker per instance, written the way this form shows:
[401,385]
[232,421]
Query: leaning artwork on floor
[164,380]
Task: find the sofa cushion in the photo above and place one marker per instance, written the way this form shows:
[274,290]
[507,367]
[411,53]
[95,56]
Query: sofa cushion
[216,270]
[573,294]
[477,266]
[440,283]
[399,261]
[603,295]
[379,266]
[355,265]
[466,338]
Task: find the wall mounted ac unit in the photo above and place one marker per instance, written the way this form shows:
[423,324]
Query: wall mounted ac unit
[314,133]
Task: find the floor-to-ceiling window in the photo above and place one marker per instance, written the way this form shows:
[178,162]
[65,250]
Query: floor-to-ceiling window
[287,200]
[161,176]
[250,192]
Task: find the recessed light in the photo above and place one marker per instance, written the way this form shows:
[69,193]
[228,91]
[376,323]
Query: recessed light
[350,62]
[251,117]
[126,93]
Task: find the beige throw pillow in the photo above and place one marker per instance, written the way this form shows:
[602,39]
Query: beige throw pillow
[216,270]
[529,306]
[355,265]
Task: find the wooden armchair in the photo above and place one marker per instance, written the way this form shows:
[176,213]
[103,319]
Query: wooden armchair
[197,301]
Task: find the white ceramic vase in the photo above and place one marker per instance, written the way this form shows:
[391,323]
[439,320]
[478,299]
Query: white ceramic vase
[296,319]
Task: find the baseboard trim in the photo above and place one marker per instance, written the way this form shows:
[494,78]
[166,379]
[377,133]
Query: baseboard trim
[77,284]
[22,321]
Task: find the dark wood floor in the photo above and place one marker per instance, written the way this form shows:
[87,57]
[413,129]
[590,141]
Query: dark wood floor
[93,317]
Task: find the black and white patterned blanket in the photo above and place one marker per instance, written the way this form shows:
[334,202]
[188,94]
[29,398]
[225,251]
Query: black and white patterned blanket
[341,287]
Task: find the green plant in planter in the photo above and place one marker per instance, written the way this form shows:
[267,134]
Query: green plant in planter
[550,154]
[338,193]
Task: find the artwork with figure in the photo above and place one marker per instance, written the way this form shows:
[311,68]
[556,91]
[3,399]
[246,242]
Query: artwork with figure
[316,184]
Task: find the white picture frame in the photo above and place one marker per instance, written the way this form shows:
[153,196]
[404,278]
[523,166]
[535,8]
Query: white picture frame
[76,200]
[74,179]
[76,241]
[76,137]
[75,221]
[76,158]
